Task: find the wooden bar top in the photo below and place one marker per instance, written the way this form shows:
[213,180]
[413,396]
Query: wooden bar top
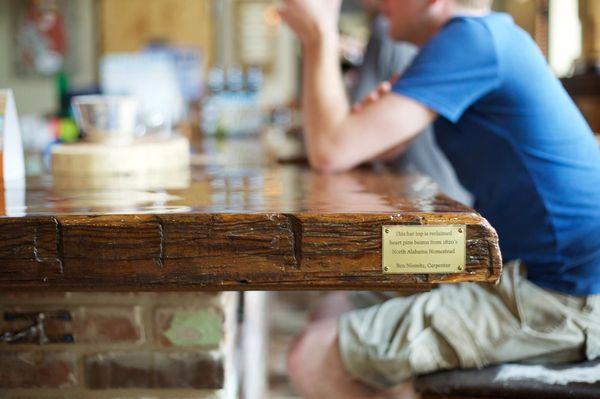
[234,221]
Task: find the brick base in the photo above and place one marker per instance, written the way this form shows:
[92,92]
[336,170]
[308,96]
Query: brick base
[120,345]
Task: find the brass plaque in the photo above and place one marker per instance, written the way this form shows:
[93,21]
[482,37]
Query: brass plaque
[423,249]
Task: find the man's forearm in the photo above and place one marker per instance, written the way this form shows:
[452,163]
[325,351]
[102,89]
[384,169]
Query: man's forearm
[324,101]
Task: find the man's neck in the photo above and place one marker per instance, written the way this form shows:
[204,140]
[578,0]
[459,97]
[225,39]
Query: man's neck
[469,11]
[456,10]
[452,12]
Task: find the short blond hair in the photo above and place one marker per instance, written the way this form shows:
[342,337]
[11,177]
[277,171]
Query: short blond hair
[476,3]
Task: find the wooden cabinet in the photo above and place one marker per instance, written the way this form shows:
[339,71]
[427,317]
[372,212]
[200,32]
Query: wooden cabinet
[126,26]
[531,16]
[590,20]
[584,86]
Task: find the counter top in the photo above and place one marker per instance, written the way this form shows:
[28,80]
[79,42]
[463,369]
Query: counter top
[234,221]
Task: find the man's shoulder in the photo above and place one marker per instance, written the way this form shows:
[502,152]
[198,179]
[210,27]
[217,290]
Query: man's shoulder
[462,34]
[490,21]
[485,29]
[464,41]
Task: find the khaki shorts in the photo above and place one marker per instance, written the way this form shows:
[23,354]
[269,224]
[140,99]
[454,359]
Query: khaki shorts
[468,326]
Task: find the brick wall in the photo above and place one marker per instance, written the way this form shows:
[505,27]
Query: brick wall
[120,345]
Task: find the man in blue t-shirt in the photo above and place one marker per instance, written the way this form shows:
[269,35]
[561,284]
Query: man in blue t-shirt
[517,143]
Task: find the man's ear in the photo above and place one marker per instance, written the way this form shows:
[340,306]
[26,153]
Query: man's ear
[371,6]
[438,7]
[438,3]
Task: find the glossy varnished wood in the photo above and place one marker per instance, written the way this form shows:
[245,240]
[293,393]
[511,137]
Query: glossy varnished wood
[233,222]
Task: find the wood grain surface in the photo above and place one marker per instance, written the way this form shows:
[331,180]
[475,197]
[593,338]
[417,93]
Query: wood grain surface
[235,225]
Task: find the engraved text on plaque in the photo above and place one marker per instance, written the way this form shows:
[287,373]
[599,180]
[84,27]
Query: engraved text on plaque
[423,249]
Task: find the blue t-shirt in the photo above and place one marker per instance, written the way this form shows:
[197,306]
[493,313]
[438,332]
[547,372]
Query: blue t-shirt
[518,143]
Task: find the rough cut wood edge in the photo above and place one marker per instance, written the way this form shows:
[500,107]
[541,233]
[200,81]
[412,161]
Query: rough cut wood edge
[224,252]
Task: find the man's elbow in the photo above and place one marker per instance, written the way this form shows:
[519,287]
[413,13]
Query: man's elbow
[330,153]
[329,163]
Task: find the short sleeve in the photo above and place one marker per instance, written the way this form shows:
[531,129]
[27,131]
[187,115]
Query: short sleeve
[454,69]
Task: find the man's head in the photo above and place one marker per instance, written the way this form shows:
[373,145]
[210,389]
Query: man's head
[485,4]
[417,20]
[371,6]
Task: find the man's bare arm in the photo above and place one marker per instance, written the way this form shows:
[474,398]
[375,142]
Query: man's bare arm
[338,139]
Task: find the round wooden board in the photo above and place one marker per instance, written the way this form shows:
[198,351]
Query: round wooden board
[100,159]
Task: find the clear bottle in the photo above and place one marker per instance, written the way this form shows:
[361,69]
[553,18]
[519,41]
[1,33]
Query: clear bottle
[211,107]
[254,82]
[233,111]
[2,194]
[235,79]
[254,79]
[2,123]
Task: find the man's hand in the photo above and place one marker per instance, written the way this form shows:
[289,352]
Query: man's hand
[311,19]
[381,90]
